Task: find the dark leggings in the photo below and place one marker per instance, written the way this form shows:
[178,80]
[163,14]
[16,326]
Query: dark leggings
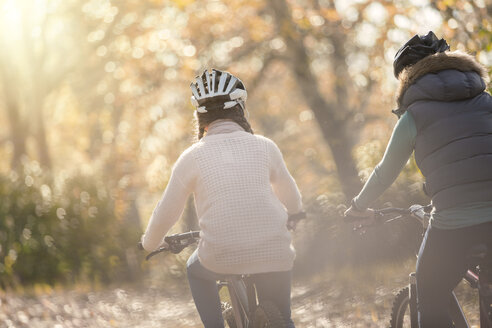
[443,261]
[274,286]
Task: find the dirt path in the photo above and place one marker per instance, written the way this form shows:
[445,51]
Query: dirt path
[319,307]
[321,304]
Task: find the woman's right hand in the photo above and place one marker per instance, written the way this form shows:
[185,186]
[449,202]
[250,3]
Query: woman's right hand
[294,219]
[360,218]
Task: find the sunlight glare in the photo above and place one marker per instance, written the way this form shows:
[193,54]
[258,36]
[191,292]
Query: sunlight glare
[428,20]
[11,20]
[376,13]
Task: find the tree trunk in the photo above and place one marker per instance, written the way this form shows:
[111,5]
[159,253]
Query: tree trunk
[334,128]
[18,133]
[333,118]
[41,139]
[38,81]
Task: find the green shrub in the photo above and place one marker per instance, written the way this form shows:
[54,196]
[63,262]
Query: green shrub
[61,230]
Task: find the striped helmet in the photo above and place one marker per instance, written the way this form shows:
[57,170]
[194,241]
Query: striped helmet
[216,90]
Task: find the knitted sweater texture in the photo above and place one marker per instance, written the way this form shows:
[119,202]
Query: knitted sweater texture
[243,192]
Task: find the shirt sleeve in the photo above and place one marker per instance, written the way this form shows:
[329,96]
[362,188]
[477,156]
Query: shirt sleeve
[398,151]
[171,205]
[283,184]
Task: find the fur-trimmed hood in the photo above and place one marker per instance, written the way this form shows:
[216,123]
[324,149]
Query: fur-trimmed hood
[455,60]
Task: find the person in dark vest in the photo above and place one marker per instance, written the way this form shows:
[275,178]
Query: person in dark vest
[445,117]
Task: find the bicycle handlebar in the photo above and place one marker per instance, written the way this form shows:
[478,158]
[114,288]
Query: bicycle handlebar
[419,212]
[177,242]
[182,236]
[393,210]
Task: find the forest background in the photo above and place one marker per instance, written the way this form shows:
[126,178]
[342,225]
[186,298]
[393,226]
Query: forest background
[94,110]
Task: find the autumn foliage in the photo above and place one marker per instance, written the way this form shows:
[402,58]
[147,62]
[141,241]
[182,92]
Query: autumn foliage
[94,105]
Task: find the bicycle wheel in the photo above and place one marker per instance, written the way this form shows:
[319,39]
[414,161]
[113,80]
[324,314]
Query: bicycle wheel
[400,312]
[267,315]
[228,315]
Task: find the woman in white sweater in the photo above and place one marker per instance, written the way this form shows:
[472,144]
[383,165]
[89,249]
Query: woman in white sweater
[243,195]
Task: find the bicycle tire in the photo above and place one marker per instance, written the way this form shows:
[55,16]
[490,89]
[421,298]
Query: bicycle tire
[267,315]
[401,304]
[228,315]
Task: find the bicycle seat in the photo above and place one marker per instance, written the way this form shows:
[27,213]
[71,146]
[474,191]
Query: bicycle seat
[479,251]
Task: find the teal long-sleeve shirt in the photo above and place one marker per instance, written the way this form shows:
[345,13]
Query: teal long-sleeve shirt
[398,151]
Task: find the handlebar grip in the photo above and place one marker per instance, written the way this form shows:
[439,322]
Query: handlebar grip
[293,219]
[176,243]
[181,236]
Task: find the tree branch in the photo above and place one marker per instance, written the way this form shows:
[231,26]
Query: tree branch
[331,118]
[246,50]
[269,59]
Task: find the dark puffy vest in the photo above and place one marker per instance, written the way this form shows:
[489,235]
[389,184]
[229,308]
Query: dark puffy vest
[453,149]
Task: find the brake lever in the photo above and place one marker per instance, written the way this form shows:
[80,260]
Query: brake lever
[394,219]
[157,251]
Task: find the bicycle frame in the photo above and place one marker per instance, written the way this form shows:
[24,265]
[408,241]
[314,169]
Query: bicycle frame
[241,289]
[243,299]
[456,312]
[483,285]
[485,294]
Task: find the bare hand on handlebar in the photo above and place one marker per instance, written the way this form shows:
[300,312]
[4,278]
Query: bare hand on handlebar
[175,243]
[369,217]
[360,218]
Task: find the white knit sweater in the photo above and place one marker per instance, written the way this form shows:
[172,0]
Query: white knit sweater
[243,192]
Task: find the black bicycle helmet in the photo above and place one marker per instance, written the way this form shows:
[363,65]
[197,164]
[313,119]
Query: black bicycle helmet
[217,89]
[416,49]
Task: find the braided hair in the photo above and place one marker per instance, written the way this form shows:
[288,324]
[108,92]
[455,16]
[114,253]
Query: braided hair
[235,114]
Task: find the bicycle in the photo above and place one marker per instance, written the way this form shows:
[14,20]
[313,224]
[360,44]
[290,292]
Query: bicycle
[244,310]
[404,310]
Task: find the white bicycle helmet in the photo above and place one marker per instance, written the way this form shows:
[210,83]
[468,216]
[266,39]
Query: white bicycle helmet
[217,89]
